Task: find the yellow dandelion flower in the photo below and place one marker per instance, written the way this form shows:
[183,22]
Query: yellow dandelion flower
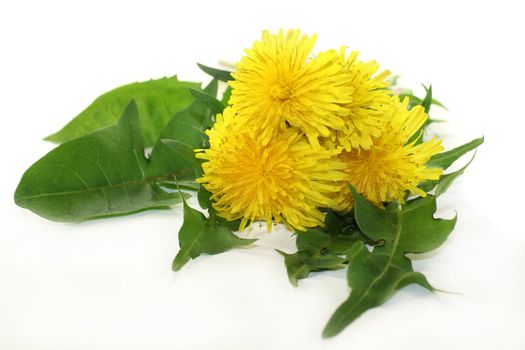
[392,165]
[278,83]
[368,99]
[286,181]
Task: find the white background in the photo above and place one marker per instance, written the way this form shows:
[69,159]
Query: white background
[107,284]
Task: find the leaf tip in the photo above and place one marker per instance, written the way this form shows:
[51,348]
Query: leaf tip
[52,138]
[329,332]
[248,241]
[179,261]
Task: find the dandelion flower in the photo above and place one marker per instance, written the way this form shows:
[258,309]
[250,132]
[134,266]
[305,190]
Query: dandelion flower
[368,100]
[393,166]
[287,180]
[278,83]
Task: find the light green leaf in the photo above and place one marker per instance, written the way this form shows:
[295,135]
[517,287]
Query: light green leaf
[445,159]
[447,179]
[226,96]
[213,104]
[157,101]
[212,88]
[199,235]
[187,128]
[184,151]
[375,276]
[104,173]
[219,74]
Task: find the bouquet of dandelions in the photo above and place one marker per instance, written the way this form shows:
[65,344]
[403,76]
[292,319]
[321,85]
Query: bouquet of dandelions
[324,144]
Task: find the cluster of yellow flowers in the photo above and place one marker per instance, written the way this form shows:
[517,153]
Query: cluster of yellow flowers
[300,128]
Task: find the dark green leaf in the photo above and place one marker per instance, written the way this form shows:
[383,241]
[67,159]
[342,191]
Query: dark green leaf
[204,197]
[317,240]
[218,74]
[157,101]
[232,225]
[318,250]
[375,276]
[445,159]
[427,101]
[415,101]
[300,264]
[199,235]
[104,173]
[334,222]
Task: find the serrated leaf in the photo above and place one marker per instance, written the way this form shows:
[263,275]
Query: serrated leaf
[157,101]
[317,240]
[199,235]
[219,74]
[375,276]
[445,159]
[105,173]
[300,264]
[318,250]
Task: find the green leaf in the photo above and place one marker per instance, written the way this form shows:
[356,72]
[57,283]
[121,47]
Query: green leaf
[427,100]
[219,74]
[213,104]
[447,179]
[413,100]
[105,173]
[232,225]
[445,159]
[157,101]
[375,276]
[226,96]
[318,250]
[417,137]
[199,235]
[300,264]
[317,240]
[184,151]
[212,88]
[204,197]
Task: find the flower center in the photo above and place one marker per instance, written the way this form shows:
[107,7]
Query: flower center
[280,92]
